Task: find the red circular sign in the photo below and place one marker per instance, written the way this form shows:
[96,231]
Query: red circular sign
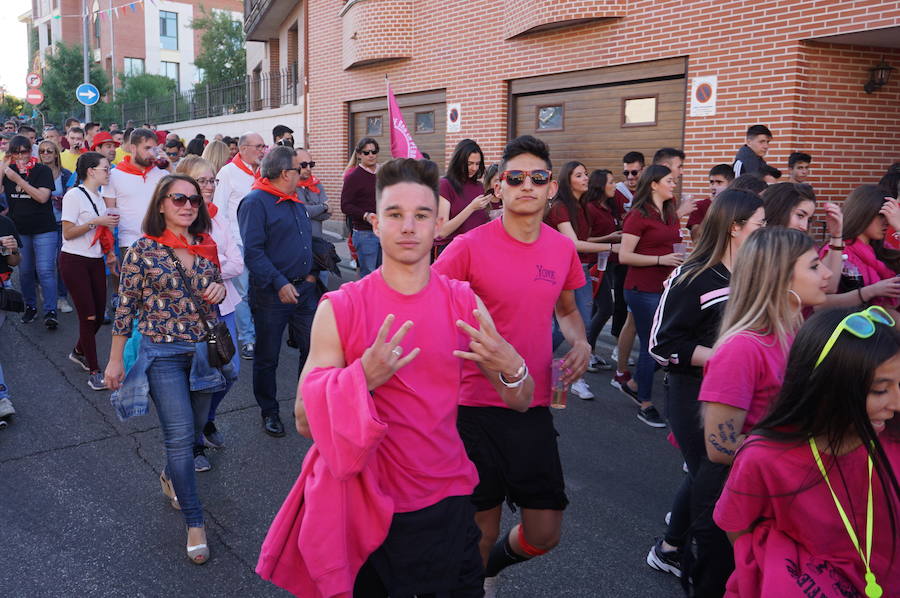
[704,93]
[454,115]
[34,97]
[33,80]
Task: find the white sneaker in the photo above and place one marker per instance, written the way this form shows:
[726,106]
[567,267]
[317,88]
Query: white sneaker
[490,586]
[63,305]
[6,407]
[582,390]
[614,357]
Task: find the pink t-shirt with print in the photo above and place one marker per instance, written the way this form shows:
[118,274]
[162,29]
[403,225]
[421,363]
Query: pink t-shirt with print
[519,284]
[745,372]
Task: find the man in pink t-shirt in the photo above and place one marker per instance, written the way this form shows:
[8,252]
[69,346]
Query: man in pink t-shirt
[524,271]
[411,330]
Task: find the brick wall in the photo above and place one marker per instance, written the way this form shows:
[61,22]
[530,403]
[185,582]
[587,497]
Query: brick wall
[805,92]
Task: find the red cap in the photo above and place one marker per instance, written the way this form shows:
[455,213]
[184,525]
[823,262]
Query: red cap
[101,138]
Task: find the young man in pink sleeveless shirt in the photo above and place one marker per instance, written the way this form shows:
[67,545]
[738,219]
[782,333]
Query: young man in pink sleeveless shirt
[524,271]
[411,330]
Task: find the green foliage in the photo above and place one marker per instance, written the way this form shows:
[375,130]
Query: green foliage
[62,77]
[222,55]
[12,106]
[137,87]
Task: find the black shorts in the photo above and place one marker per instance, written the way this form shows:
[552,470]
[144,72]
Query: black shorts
[429,552]
[516,456]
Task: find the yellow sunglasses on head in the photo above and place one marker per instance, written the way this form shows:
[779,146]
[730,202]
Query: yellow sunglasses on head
[860,324]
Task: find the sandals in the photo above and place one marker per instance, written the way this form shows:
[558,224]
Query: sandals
[198,553]
[169,490]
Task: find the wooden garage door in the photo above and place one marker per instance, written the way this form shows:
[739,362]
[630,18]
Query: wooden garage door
[589,124]
[425,115]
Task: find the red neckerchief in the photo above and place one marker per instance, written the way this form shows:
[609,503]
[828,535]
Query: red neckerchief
[239,162]
[264,184]
[105,237]
[213,209]
[312,183]
[205,246]
[129,167]
[28,166]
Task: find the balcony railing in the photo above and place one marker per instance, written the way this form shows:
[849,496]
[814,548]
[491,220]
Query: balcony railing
[258,91]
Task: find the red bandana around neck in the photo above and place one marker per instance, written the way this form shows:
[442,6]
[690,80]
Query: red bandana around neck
[129,167]
[312,183]
[205,246]
[264,184]
[239,162]
[31,163]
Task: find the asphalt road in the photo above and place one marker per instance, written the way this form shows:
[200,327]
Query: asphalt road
[83,514]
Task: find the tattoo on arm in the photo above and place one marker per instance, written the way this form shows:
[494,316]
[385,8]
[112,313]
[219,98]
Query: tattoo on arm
[727,436]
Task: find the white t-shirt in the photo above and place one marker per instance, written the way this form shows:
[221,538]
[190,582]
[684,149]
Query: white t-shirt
[233,185]
[77,209]
[133,194]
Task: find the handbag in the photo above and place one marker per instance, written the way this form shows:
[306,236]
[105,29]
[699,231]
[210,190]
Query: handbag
[11,300]
[219,346]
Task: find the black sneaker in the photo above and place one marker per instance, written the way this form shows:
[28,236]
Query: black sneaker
[50,320]
[30,314]
[668,562]
[650,416]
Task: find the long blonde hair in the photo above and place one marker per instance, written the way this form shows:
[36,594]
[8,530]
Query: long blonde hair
[217,154]
[761,301]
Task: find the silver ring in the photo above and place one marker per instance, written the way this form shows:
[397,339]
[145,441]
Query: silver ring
[397,351]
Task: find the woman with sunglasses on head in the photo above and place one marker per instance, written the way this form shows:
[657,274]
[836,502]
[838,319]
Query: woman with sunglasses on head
[868,274]
[87,238]
[605,217]
[463,202]
[231,265]
[28,185]
[569,215]
[48,155]
[684,331]
[812,503]
[171,283]
[776,275]
[650,233]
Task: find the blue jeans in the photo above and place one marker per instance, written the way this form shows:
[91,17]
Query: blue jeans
[271,317]
[584,301]
[39,256]
[243,318]
[229,381]
[368,251]
[643,307]
[60,285]
[182,414]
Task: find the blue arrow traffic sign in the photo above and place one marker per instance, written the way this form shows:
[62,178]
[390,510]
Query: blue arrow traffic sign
[87,94]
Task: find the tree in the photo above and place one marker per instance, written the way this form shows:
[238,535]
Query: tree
[137,87]
[63,75]
[11,106]
[222,55]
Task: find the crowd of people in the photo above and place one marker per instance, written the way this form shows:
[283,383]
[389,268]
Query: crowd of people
[427,385]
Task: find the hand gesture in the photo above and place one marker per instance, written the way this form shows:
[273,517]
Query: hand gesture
[215,293]
[384,358]
[672,259]
[891,212]
[114,374]
[834,220]
[489,348]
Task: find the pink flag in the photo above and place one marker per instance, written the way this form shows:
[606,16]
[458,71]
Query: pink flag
[402,144]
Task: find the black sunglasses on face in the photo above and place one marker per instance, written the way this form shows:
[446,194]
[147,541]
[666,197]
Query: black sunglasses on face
[19,151]
[307,165]
[369,152]
[631,172]
[172,155]
[179,199]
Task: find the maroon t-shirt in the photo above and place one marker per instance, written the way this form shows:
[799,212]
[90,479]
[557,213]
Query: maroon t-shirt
[559,213]
[655,238]
[458,202]
[602,223]
[699,214]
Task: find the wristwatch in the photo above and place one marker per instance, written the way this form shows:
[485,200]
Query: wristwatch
[92,226]
[520,376]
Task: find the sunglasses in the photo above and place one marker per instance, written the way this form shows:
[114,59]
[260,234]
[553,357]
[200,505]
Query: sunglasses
[179,199]
[307,165]
[369,152]
[172,155]
[19,151]
[514,178]
[860,324]
[631,172]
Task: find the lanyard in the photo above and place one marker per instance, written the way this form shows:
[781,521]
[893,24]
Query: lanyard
[873,590]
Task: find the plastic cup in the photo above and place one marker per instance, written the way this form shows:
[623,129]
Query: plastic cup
[559,390]
[679,248]
[602,258]
[112,211]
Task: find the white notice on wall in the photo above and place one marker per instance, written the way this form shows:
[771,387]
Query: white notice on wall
[703,96]
[454,114]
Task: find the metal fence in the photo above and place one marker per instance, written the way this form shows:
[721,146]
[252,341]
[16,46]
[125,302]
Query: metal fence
[257,91]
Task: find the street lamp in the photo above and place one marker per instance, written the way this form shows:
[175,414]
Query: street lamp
[879,75]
